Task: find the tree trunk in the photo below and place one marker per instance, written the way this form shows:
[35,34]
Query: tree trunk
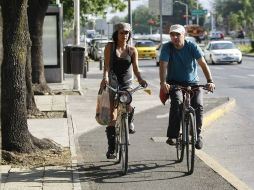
[36,14]
[30,101]
[15,134]
[16,44]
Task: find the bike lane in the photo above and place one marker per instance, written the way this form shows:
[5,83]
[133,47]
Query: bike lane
[151,161]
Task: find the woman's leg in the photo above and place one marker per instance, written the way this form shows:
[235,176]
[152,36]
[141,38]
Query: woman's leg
[131,119]
[110,131]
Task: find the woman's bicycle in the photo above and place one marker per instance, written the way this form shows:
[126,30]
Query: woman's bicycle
[122,100]
[188,131]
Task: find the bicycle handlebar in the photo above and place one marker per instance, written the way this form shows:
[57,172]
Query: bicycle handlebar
[139,87]
[190,88]
[124,96]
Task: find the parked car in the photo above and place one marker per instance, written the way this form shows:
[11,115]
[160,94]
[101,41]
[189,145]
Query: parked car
[146,49]
[216,35]
[92,44]
[222,52]
[158,52]
[98,49]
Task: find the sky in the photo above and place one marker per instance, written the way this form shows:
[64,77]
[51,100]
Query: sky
[135,3]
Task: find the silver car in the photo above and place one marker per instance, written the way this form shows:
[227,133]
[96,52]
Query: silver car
[98,49]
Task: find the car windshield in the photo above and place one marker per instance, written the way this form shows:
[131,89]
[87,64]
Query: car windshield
[144,44]
[223,46]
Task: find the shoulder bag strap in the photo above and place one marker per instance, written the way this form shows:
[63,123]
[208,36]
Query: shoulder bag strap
[170,52]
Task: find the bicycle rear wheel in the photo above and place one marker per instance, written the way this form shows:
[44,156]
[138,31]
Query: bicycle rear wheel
[190,143]
[124,146]
[180,144]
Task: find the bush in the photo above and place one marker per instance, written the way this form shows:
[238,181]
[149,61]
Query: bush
[252,44]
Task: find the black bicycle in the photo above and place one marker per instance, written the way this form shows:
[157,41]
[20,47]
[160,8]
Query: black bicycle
[188,131]
[122,99]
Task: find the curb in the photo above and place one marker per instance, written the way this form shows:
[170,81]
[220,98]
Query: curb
[248,55]
[210,117]
[217,112]
[74,163]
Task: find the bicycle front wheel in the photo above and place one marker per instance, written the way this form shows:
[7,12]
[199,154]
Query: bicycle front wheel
[118,146]
[124,146]
[190,142]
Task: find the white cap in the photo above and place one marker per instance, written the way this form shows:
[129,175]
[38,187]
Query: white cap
[177,28]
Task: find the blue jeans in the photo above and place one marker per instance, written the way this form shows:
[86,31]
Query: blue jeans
[176,97]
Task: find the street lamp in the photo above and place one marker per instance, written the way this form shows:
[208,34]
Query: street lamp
[186,11]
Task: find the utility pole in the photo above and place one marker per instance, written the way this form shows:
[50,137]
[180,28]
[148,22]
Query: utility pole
[160,7]
[186,11]
[197,15]
[76,77]
[130,17]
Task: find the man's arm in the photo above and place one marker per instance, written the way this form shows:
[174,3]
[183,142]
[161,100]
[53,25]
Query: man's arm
[134,58]
[201,61]
[163,72]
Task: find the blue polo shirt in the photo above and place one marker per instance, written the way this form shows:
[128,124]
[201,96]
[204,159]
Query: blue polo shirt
[182,67]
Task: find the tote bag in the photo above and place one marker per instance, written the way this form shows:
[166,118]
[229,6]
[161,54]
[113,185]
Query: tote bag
[103,107]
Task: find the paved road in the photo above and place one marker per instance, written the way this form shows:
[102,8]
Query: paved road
[230,139]
[152,165]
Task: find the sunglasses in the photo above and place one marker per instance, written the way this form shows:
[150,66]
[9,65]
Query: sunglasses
[124,32]
[175,34]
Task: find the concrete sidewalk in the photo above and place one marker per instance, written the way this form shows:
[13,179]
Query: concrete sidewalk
[80,119]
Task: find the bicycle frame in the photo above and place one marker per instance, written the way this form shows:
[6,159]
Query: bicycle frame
[186,109]
[187,139]
[122,114]
[123,98]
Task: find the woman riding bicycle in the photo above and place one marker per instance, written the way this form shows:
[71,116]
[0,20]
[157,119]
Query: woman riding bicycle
[178,66]
[122,59]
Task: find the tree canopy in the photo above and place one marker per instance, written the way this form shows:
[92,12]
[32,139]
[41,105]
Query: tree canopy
[94,7]
[237,14]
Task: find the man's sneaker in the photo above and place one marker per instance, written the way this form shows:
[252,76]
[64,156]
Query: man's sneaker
[199,143]
[110,155]
[171,141]
[131,128]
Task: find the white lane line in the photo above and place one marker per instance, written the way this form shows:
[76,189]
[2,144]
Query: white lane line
[251,75]
[162,116]
[218,68]
[238,76]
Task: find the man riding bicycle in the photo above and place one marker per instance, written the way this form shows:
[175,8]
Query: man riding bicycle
[178,66]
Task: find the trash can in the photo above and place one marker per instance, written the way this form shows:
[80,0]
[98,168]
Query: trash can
[77,59]
[67,59]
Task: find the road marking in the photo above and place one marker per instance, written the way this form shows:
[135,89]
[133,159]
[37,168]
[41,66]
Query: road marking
[162,116]
[159,139]
[218,68]
[237,76]
[251,75]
